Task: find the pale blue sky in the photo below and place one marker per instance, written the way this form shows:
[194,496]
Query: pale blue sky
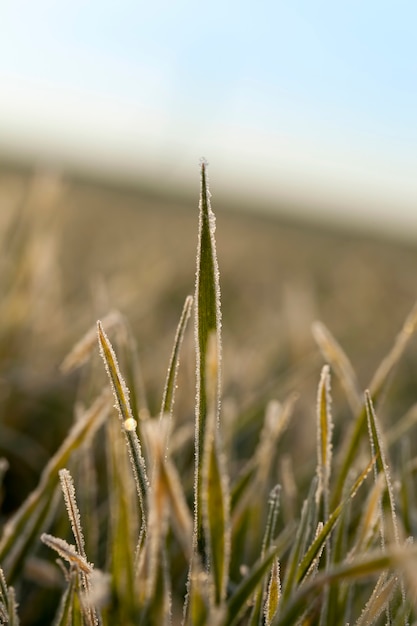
[288,100]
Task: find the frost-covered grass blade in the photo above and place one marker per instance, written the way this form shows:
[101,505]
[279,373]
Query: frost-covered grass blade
[207,321]
[170,383]
[121,394]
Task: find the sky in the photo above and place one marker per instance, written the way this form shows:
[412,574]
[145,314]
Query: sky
[306,104]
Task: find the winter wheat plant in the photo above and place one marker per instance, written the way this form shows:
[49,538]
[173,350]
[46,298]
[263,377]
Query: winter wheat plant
[171,525]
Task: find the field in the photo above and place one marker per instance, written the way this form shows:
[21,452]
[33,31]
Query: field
[72,252]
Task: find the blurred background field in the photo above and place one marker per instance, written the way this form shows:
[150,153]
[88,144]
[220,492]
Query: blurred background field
[73,250]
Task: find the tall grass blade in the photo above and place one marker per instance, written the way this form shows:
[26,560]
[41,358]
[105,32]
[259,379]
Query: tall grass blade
[207,321]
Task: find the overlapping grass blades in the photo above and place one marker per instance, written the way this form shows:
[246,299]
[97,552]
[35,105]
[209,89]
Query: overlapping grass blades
[211,544]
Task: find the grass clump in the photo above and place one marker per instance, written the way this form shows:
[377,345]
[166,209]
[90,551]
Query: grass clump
[177,529]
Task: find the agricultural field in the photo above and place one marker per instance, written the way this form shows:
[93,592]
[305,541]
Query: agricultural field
[259,466]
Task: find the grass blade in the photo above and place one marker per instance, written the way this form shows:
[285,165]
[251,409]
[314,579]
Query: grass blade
[324,439]
[273,594]
[320,539]
[273,509]
[170,383]
[123,526]
[207,321]
[68,489]
[121,394]
[216,499]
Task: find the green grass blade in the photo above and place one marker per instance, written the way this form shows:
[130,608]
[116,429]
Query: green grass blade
[382,464]
[121,394]
[320,539]
[170,383]
[207,321]
[308,515]
[273,509]
[216,515]
[122,526]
